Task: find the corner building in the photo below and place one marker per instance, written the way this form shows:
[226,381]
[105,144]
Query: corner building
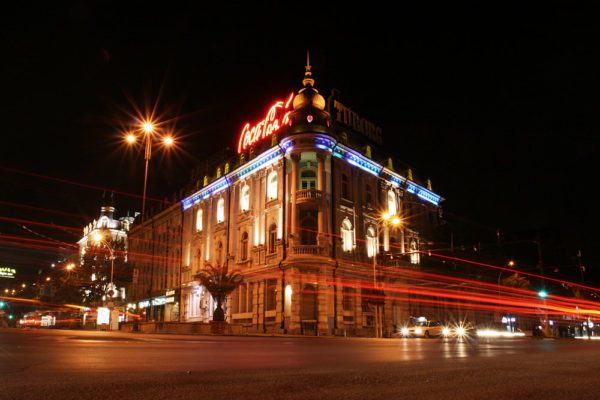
[301,219]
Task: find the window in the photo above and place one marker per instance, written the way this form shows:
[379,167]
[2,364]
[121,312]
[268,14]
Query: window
[347,242]
[271,294]
[220,210]
[219,254]
[308,179]
[272,186]
[245,198]
[244,246]
[199,220]
[348,296]
[345,191]
[272,238]
[368,196]
[392,208]
[309,228]
[371,242]
[198,260]
[414,255]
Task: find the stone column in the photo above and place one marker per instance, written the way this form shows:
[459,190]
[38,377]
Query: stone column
[293,188]
[321,185]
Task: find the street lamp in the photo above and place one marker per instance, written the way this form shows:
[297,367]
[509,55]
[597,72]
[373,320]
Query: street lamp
[386,219]
[149,129]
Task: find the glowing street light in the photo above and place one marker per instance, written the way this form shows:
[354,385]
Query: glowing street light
[149,129]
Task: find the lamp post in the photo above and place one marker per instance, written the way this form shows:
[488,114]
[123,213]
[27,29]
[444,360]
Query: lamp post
[149,129]
[394,221]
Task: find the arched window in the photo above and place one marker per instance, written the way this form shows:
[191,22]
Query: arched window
[308,179]
[392,205]
[347,242]
[245,198]
[244,246]
[272,238]
[308,232]
[220,210]
[371,242]
[199,220]
[272,186]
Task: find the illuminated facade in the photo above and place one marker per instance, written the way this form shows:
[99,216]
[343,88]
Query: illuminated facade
[301,219]
[113,230]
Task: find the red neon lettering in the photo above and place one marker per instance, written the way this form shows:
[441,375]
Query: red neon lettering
[265,128]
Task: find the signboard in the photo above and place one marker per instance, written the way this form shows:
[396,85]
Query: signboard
[6,272]
[344,115]
[276,117]
[103,316]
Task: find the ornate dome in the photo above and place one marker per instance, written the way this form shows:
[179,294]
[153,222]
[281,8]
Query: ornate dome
[308,96]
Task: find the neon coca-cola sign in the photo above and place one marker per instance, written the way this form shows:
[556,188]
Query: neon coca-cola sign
[277,116]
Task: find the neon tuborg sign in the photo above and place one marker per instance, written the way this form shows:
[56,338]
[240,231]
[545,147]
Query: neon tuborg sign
[276,117]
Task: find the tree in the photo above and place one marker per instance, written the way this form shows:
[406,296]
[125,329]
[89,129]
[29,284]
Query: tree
[516,281]
[95,271]
[220,283]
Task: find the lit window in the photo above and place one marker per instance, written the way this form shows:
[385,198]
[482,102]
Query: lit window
[414,254]
[272,186]
[347,242]
[220,210]
[392,208]
[199,220]
[371,243]
[245,198]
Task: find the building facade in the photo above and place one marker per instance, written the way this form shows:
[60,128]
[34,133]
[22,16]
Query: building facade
[114,233]
[155,252]
[306,217]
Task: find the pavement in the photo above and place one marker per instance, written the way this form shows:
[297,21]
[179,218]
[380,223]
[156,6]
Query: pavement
[62,364]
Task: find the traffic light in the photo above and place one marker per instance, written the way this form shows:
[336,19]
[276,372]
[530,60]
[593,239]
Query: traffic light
[542,293]
[10,316]
[2,304]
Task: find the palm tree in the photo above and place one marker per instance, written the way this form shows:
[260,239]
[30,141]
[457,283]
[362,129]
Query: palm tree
[220,283]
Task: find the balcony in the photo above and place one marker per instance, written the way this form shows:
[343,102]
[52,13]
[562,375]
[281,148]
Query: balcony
[308,195]
[308,250]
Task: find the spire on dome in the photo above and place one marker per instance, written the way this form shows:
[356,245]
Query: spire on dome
[308,79]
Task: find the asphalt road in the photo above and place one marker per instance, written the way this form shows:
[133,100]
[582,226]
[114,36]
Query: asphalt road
[61,364]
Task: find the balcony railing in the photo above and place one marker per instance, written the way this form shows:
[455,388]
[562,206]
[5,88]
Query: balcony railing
[305,194]
[308,250]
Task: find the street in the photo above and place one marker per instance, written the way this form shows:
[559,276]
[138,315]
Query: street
[61,364]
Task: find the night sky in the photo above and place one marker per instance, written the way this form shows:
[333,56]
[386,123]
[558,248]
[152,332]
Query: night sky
[497,104]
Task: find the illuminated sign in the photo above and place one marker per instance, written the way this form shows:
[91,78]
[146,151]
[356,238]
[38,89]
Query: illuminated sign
[103,315]
[6,272]
[346,116]
[277,116]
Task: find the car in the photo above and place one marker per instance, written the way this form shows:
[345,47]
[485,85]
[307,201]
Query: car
[422,328]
